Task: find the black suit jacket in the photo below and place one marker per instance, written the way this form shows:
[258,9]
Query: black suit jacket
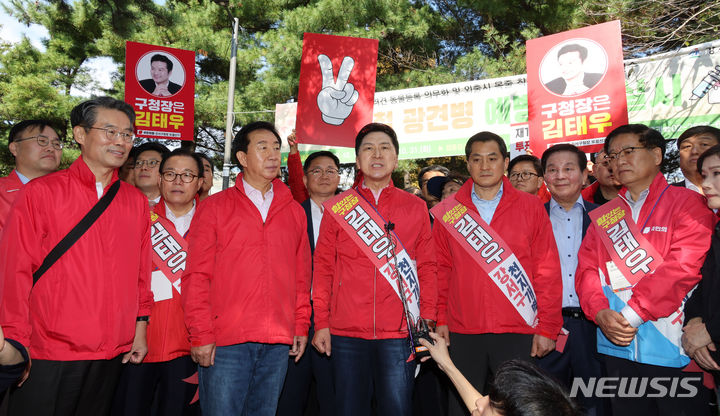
[589,206]
[558,84]
[149,86]
[680,183]
[310,231]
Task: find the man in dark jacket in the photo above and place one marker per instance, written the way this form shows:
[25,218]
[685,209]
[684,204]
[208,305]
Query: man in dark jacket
[565,168]
[321,180]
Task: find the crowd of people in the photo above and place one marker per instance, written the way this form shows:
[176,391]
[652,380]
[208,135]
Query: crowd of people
[127,290]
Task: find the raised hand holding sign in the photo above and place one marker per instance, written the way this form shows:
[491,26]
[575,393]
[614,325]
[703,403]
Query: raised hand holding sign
[333,106]
[336,98]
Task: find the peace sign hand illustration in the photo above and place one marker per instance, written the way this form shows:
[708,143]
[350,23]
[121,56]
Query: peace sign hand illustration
[336,98]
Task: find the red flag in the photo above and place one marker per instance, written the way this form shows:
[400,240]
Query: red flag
[576,87]
[337,89]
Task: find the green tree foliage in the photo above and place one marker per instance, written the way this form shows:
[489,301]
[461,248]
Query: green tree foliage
[421,42]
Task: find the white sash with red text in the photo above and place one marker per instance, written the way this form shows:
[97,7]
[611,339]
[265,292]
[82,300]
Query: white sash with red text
[169,251]
[633,257]
[366,228]
[491,253]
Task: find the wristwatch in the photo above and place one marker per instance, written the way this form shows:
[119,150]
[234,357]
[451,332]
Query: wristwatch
[143,318]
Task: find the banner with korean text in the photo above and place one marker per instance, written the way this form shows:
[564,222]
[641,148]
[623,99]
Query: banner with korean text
[670,92]
[576,88]
[160,85]
[337,85]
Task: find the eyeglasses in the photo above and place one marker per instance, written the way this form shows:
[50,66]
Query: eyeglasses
[523,175]
[317,172]
[43,141]
[151,163]
[186,177]
[612,157]
[111,133]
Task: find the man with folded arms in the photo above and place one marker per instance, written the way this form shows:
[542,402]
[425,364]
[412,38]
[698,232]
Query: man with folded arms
[499,286]
[640,259]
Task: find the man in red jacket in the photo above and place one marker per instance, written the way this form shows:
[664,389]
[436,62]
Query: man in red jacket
[159,381]
[246,289]
[638,263]
[37,150]
[91,306]
[359,316]
[499,286]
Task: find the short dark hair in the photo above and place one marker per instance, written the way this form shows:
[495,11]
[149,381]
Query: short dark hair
[154,146]
[694,131]
[373,127]
[649,138]
[183,152]
[20,128]
[713,151]
[521,388]
[594,156]
[565,147]
[322,153]
[162,58]
[206,157]
[573,47]
[526,158]
[486,136]
[432,168]
[85,113]
[242,138]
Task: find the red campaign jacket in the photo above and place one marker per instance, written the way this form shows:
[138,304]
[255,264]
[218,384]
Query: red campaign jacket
[245,280]
[469,302]
[167,335]
[350,296]
[85,306]
[680,230]
[295,178]
[9,187]
[588,193]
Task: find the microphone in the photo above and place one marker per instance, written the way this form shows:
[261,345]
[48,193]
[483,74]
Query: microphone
[389,226]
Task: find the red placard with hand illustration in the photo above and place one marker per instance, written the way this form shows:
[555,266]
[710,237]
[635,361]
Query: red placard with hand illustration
[337,89]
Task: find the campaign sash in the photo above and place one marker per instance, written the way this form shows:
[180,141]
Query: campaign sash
[169,249]
[366,228]
[633,257]
[491,253]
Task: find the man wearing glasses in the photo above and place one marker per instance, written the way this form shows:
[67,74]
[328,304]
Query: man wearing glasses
[640,259]
[322,176]
[168,361]
[87,314]
[606,186]
[525,174]
[147,172]
[37,150]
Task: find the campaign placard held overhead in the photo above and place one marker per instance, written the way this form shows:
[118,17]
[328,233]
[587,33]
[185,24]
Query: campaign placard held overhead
[337,87]
[576,87]
[160,85]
